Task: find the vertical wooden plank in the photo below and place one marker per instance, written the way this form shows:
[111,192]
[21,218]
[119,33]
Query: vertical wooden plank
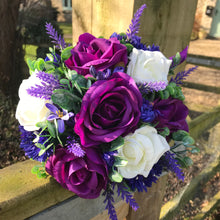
[81,17]
[101,17]
[167,23]
[111,16]
[121,208]
[149,202]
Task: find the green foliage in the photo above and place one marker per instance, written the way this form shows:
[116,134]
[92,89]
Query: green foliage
[129,47]
[66,53]
[66,100]
[117,143]
[120,162]
[164,132]
[176,61]
[184,141]
[39,170]
[115,176]
[171,90]
[185,162]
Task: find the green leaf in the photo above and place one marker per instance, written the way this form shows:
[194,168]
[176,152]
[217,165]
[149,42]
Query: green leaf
[179,135]
[177,59]
[30,64]
[117,143]
[188,161]
[35,169]
[66,100]
[78,87]
[165,132]
[51,129]
[187,140]
[42,124]
[71,74]
[41,152]
[66,53]
[120,162]
[40,64]
[64,81]
[89,83]
[114,176]
[171,90]
[195,150]
[51,58]
[81,81]
[129,47]
[38,145]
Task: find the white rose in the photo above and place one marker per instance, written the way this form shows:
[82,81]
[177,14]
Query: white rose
[30,110]
[142,150]
[148,66]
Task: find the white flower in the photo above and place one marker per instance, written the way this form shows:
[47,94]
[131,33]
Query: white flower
[30,110]
[148,66]
[142,150]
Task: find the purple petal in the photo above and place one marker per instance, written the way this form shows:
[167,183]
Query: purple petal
[51,117]
[61,126]
[52,108]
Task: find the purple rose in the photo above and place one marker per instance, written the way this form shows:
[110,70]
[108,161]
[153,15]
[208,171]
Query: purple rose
[110,108]
[172,114]
[86,176]
[98,52]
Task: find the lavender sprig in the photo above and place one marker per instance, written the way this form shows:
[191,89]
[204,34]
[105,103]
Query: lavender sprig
[172,164]
[108,193]
[74,147]
[182,76]
[57,39]
[135,23]
[49,82]
[127,196]
[147,87]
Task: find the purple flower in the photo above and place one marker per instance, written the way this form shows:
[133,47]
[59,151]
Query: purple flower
[147,112]
[110,108]
[56,39]
[172,114]
[98,52]
[86,176]
[29,139]
[74,147]
[59,115]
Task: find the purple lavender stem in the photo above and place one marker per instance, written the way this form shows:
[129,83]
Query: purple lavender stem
[49,82]
[151,86]
[135,23]
[182,76]
[57,39]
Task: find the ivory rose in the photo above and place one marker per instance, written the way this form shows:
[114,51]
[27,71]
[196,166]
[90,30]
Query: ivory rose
[142,150]
[148,66]
[30,110]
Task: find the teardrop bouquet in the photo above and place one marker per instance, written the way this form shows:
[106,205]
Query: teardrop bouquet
[103,115]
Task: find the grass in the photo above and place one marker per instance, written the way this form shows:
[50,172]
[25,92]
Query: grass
[66,27]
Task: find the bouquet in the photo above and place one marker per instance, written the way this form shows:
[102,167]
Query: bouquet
[105,114]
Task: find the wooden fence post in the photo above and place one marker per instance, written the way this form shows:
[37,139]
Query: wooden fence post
[167,23]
